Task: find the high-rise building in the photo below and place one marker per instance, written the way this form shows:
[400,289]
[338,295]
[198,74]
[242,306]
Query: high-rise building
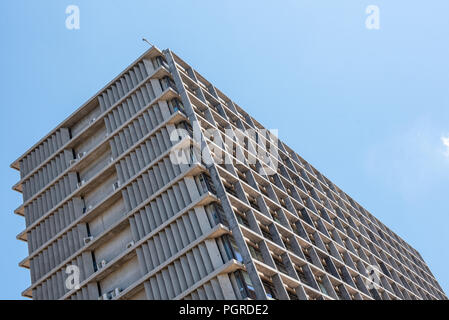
[161,187]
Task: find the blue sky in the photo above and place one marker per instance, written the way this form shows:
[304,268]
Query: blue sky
[368,108]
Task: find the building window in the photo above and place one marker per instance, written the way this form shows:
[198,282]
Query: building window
[232,250]
[287,243]
[266,231]
[338,292]
[205,184]
[269,289]
[279,264]
[305,251]
[245,285]
[275,215]
[253,202]
[167,82]
[255,252]
[292,294]
[216,215]
[176,105]
[319,280]
[229,188]
[302,275]
[241,218]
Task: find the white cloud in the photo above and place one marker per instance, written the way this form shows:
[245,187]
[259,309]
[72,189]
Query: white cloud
[445,141]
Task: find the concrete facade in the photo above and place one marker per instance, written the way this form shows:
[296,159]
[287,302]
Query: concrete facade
[101,192]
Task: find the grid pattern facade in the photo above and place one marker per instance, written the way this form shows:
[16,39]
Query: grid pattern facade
[101,192]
